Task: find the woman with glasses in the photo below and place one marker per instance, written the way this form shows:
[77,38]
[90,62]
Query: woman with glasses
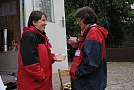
[89,70]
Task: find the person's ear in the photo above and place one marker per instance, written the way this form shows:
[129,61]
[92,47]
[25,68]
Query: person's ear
[34,23]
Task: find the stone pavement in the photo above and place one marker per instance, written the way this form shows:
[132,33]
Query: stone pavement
[120,76]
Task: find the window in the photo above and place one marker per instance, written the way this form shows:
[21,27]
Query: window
[46,7]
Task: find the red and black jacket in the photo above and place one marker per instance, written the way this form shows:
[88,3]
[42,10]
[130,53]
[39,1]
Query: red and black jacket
[34,61]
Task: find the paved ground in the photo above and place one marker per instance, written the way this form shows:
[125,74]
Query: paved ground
[120,76]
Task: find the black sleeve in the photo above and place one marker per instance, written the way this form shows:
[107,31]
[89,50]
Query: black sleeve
[28,50]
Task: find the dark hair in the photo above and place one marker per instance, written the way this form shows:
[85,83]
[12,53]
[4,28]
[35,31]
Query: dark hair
[87,14]
[35,16]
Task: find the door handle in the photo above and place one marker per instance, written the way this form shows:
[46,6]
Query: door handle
[62,20]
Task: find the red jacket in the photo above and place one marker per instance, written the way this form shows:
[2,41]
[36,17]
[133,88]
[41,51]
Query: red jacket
[34,61]
[89,70]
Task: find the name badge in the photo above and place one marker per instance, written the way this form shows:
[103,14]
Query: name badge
[77,53]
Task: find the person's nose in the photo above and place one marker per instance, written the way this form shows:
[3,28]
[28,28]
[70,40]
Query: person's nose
[45,23]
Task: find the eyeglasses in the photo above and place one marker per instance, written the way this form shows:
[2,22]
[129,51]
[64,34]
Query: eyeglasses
[78,20]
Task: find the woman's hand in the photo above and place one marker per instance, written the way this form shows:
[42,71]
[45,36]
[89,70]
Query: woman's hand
[59,57]
[73,41]
[54,58]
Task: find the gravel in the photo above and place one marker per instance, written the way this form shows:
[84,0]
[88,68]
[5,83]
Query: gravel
[120,76]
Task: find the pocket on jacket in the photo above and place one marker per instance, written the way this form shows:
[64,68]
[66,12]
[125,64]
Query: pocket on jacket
[43,84]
